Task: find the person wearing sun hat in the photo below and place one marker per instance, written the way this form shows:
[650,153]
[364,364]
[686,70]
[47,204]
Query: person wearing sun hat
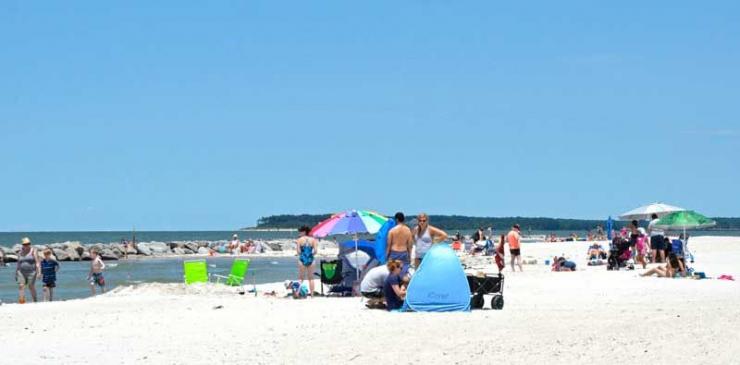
[27,269]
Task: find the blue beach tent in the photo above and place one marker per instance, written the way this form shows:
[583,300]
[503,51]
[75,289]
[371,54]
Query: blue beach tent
[440,284]
[381,240]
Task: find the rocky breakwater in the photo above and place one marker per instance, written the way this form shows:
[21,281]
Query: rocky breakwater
[76,251]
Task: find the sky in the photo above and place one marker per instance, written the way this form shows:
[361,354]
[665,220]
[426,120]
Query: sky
[191,115]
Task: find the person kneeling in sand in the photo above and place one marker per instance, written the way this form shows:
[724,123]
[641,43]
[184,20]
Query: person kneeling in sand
[371,286]
[393,288]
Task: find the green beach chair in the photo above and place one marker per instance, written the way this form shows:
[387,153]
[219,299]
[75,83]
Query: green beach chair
[196,271]
[238,272]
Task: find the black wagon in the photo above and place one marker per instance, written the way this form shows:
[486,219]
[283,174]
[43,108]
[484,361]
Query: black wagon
[488,284]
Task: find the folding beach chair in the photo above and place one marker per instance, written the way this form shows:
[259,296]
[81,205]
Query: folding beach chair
[238,272]
[195,271]
[331,273]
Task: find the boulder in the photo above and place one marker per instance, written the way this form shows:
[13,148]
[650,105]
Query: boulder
[192,246]
[11,257]
[85,256]
[274,246]
[188,251]
[108,254]
[74,245]
[178,251]
[143,249]
[203,251]
[57,246]
[159,248]
[72,253]
[6,250]
[16,248]
[61,254]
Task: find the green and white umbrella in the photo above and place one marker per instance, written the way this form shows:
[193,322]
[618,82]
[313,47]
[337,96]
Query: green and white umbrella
[687,219]
[647,211]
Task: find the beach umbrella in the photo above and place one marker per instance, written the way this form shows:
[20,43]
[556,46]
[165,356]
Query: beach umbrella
[350,222]
[647,211]
[684,220]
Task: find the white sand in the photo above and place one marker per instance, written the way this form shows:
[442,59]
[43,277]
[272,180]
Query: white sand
[590,316]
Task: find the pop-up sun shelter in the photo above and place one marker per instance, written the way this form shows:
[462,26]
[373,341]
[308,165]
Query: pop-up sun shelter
[440,284]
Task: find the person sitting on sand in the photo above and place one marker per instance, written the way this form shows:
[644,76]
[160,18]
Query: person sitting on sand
[660,271]
[371,286]
[400,241]
[393,290]
[95,277]
[306,249]
[596,252]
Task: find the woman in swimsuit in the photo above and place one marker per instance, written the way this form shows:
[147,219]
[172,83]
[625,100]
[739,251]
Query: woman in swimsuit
[425,235]
[26,271]
[306,249]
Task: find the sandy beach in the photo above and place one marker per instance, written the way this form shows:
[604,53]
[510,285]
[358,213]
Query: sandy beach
[588,316]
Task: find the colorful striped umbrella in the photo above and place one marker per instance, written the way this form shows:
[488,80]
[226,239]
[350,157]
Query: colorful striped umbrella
[350,222]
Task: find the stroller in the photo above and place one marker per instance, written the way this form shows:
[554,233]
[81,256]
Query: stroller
[489,284]
[619,254]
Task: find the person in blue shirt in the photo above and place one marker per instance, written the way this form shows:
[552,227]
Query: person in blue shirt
[393,290]
[49,268]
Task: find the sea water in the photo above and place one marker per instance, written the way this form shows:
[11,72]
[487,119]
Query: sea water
[72,276]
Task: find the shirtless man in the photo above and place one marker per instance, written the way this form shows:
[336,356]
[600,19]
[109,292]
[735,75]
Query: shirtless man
[400,241]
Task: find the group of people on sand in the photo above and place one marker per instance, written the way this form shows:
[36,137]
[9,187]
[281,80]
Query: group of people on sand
[31,268]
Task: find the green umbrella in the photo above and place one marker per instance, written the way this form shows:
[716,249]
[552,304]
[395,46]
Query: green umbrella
[687,219]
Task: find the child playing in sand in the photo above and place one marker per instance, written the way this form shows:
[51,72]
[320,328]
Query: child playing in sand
[49,268]
[96,272]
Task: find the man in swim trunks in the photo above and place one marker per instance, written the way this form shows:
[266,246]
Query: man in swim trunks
[400,241]
[516,254]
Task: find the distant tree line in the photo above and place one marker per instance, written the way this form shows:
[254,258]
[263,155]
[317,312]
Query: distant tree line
[459,222]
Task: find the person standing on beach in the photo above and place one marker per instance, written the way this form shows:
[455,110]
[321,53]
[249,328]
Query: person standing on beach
[399,241]
[657,245]
[306,247]
[26,270]
[95,277]
[49,268]
[425,235]
[514,239]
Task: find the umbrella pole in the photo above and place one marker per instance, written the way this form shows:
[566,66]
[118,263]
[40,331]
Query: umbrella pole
[357,266]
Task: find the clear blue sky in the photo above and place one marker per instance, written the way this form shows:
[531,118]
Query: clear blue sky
[208,115]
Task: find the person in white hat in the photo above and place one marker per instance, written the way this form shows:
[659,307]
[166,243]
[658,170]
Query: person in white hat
[27,270]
